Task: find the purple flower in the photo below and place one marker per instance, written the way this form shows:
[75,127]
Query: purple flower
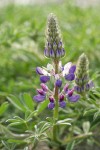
[39,70]
[52,54]
[70,93]
[66,88]
[51,105]
[58,83]
[40,91]
[74,98]
[62,104]
[58,53]
[44,79]
[70,76]
[77,88]
[44,87]
[61,98]
[72,69]
[39,98]
[51,99]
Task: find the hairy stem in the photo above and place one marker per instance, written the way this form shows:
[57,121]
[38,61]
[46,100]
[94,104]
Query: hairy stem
[55,115]
[56,62]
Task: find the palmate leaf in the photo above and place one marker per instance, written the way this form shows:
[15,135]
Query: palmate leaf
[70,146]
[96,115]
[3,108]
[89,111]
[40,132]
[16,102]
[28,101]
[42,106]
[15,121]
[24,104]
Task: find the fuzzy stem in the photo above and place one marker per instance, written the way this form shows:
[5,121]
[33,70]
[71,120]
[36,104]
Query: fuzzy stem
[55,115]
[56,62]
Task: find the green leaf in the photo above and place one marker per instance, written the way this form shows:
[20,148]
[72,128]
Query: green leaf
[96,115]
[15,124]
[77,130]
[5,145]
[28,101]
[64,121]
[86,127]
[45,127]
[90,111]
[3,108]
[70,146]
[50,119]
[16,102]
[30,115]
[42,106]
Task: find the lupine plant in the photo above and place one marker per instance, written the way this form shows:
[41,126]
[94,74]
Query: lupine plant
[63,87]
[55,72]
[60,76]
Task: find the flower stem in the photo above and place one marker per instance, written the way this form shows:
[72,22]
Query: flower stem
[55,115]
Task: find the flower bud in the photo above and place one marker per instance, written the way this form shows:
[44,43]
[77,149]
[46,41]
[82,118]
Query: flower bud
[70,77]
[61,97]
[39,70]
[70,93]
[82,75]
[40,91]
[39,98]
[66,88]
[51,105]
[58,83]
[51,99]
[74,98]
[44,79]
[62,104]
[44,87]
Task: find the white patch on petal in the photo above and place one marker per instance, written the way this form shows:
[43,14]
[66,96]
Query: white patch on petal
[66,68]
[56,76]
[60,65]
[45,72]
[50,67]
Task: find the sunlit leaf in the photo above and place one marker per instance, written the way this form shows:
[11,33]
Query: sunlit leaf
[3,108]
[29,103]
[16,102]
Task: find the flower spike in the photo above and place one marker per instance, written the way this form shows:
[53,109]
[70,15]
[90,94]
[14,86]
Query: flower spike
[53,47]
[56,73]
[82,75]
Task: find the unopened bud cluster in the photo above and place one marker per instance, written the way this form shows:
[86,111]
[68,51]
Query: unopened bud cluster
[82,75]
[53,47]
